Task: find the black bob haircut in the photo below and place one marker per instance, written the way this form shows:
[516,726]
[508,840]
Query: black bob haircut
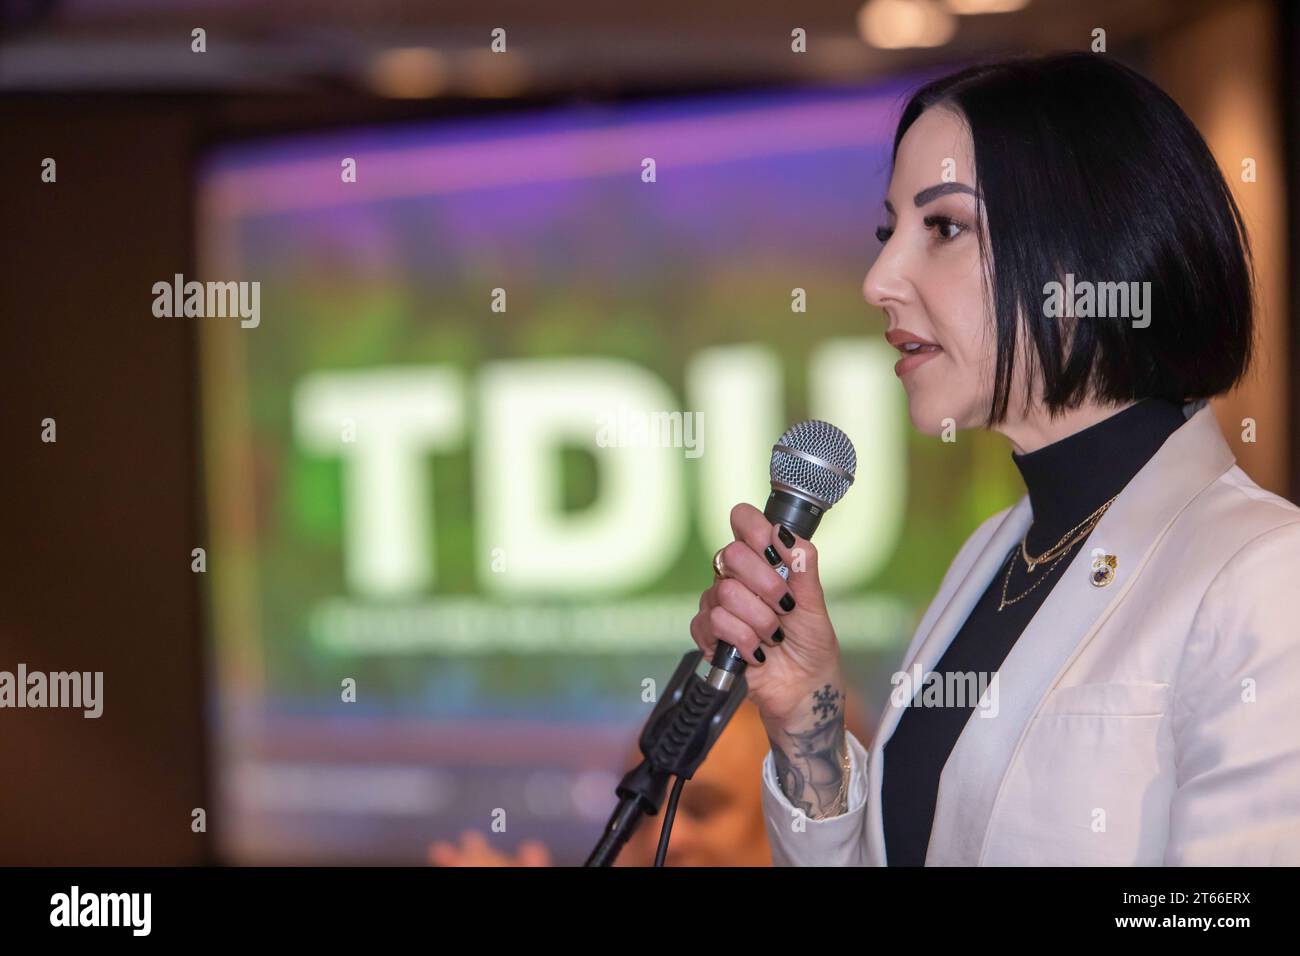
[1085,167]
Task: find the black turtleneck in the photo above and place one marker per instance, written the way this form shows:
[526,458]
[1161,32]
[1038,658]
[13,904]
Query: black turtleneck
[1066,481]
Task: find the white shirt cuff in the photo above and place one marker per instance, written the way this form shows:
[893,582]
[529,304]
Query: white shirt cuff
[799,840]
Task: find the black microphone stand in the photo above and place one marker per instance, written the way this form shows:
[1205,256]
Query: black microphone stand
[680,732]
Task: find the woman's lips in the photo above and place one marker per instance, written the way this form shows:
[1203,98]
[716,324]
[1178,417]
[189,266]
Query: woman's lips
[903,340]
[915,358]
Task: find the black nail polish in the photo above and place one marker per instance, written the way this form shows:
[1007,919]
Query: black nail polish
[772,557]
[786,537]
[759,655]
[787,602]
[779,636]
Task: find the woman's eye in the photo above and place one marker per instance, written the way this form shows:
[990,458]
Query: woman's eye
[949,229]
[883,233]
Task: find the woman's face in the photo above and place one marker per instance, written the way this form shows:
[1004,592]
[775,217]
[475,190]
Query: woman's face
[928,278]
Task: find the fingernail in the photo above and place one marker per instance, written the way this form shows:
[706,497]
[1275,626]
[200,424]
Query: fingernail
[786,537]
[787,602]
[779,636]
[759,655]
[772,557]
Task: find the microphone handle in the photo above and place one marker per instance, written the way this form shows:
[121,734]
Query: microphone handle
[801,516]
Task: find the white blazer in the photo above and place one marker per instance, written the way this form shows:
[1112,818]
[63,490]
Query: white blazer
[1154,720]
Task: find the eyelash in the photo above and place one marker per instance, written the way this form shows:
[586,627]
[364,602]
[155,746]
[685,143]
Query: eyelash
[884,233]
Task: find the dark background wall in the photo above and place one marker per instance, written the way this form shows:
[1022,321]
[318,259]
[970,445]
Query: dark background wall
[99,525]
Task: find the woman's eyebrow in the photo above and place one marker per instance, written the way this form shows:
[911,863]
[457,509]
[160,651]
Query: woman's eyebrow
[931,193]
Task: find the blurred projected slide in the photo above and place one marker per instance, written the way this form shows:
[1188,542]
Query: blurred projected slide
[465,474]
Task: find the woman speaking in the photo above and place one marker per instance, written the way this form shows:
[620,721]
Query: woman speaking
[1110,671]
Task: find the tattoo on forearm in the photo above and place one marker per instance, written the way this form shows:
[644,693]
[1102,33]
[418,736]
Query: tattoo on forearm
[808,766]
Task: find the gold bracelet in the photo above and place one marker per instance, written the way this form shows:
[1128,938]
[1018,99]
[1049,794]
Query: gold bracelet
[846,768]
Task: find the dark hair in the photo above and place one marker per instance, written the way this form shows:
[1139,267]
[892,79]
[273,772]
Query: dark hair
[1086,167]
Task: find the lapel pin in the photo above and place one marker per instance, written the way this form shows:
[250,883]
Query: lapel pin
[1103,568]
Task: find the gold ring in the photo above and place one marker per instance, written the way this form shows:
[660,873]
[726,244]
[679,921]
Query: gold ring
[719,571]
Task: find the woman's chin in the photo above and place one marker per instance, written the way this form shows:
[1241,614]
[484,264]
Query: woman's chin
[934,418]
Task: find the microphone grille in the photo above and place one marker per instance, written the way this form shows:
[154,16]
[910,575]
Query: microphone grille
[814,459]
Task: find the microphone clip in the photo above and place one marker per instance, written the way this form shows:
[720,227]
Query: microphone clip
[681,730]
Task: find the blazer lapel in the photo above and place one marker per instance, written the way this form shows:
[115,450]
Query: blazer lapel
[931,648]
[1189,460]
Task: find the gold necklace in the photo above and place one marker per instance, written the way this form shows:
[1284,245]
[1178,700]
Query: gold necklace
[1093,518]
[1062,545]
[1007,580]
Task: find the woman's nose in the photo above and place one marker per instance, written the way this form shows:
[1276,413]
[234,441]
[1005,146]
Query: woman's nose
[884,281]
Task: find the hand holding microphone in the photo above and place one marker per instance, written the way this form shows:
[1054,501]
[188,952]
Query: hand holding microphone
[764,608]
[779,624]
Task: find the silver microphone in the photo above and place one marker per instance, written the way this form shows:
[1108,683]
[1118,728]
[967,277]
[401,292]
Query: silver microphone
[812,467]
